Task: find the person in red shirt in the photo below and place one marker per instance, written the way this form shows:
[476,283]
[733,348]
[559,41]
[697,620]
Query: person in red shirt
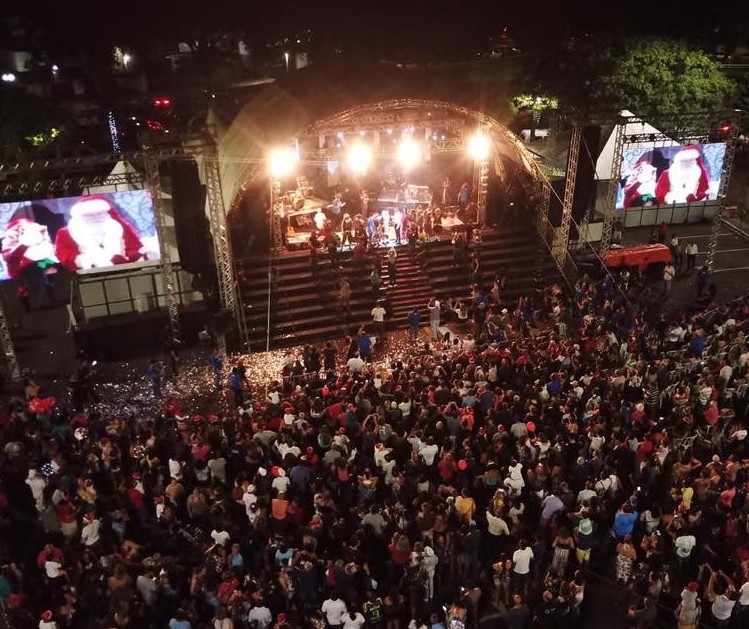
[712,413]
[446,468]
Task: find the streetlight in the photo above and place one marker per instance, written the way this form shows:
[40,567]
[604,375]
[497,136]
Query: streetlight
[126,59]
[286,57]
[281,163]
[409,154]
[359,158]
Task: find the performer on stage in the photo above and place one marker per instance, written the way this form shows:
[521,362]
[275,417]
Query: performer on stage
[336,207]
[347,227]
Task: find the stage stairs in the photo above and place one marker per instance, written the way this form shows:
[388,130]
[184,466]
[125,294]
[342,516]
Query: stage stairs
[307,308]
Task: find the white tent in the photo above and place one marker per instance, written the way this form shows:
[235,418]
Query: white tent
[123,178]
[634,126]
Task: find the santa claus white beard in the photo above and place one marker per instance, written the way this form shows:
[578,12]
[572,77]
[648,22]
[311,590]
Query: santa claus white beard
[105,236]
[684,181]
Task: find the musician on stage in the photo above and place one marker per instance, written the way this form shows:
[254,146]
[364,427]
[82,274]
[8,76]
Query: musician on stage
[347,227]
[336,207]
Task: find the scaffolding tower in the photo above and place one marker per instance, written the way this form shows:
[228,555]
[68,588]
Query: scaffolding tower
[153,178]
[561,242]
[609,210]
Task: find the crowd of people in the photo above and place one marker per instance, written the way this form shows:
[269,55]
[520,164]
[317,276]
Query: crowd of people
[490,479]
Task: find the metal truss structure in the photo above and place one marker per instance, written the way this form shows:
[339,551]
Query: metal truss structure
[68,176]
[9,353]
[692,128]
[390,114]
[386,115]
[153,179]
[722,193]
[610,201]
[563,236]
[221,239]
[276,236]
[481,187]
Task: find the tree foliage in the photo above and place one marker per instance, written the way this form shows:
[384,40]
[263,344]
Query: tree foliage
[659,78]
[28,126]
[535,103]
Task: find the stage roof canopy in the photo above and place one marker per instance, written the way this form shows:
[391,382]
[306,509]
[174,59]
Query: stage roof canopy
[277,114]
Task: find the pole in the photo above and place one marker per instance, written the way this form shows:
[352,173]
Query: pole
[271,245]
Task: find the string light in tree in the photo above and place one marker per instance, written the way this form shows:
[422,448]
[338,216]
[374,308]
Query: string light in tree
[114,134]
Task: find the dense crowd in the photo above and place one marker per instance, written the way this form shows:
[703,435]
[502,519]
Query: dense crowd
[468,481]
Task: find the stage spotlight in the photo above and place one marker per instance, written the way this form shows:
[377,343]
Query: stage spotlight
[281,162]
[409,154]
[479,146]
[359,158]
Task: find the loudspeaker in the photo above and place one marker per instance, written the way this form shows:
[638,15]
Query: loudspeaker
[585,185]
[191,225]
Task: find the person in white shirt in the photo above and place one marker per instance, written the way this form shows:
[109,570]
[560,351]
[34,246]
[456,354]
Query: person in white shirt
[90,530]
[429,452]
[37,483]
[46,622]
[353,620]
[355,364]
[334,609]
[220,538]
[249,498]
[378,319]
[496,525]
[175,469]
[684,545]
[521,569]
[281,482]
[217,467]
[260,617]
[691,255]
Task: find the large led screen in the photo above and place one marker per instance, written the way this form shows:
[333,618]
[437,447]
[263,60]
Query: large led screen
[78,233]
[665,175]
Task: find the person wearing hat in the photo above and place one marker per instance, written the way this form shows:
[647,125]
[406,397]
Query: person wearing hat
[584,540]
[281,482]
[688,611]
[46,620]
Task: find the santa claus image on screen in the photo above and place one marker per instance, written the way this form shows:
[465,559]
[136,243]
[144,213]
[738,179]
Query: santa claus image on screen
[96,237]
[27,243]
[686,180]
[639,189]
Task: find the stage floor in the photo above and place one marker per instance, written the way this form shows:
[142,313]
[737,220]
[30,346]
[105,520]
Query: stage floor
[301,238]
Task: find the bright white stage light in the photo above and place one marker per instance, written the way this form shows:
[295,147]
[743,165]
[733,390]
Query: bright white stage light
[9,77]
[480,146]
[281,162]
[409,154]
[359,158]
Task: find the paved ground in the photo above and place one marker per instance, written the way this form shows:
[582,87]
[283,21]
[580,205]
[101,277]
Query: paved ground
[730,268]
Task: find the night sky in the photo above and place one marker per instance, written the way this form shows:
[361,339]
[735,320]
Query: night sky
[396,29]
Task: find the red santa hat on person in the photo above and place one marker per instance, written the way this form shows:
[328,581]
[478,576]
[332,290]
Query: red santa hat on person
[687,179]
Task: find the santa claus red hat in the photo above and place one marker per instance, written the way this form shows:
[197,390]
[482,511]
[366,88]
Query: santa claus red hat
[89,206]
[691,151]
[46,615]
[17,222]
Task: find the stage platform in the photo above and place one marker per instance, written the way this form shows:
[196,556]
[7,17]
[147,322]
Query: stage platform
[300,240]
